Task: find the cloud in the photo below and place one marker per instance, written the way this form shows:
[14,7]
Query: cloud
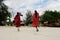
[39,5]
[53,5]
[49,5]
[32,4]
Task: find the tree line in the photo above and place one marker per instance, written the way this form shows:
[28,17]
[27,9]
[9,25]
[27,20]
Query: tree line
[51,18]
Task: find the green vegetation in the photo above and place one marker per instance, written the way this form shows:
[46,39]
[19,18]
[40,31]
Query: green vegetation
[28,17]
[51,17]
[4,14]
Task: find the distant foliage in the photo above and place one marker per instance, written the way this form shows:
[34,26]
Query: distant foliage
[4,14]
[50,16]
[28,17]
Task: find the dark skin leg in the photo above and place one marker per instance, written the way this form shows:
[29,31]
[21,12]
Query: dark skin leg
[37,29]
[18,29]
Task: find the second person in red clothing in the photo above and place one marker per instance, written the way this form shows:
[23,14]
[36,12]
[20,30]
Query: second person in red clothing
[35,19]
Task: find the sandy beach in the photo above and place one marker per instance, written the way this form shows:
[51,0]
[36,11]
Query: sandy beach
[29,33]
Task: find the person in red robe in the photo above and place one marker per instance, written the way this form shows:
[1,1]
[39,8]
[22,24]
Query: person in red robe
[17,20]
[35,19]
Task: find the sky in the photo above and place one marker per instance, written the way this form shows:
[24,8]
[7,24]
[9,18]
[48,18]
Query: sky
[39,5]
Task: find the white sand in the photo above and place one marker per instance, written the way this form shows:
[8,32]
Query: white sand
[29,33]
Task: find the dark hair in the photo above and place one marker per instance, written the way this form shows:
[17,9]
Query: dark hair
[18,13]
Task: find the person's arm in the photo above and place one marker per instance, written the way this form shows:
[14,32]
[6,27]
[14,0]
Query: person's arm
[21,14]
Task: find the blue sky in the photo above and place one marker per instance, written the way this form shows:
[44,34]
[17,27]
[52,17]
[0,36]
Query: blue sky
[39,5]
